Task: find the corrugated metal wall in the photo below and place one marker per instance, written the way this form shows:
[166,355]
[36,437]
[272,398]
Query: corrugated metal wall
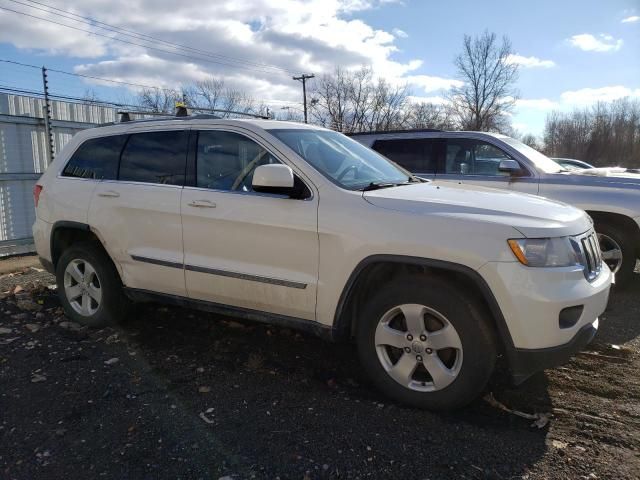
[23,157]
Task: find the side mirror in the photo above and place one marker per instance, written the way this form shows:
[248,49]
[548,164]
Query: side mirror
[273,178]
[509,166]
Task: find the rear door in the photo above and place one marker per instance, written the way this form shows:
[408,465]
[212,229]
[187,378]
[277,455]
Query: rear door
[242,248]
[418,155]
[137,214]
[476,162]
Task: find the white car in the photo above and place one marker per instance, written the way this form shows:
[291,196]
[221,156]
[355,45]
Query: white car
[611,196]
[301,226]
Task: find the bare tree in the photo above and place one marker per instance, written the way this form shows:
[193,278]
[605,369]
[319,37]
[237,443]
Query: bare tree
[354,101]
[488,94]
[158,100]
[429,115]
[606,134]
[531,140]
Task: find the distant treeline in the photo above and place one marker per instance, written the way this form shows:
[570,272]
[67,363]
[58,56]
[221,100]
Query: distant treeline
[607,134]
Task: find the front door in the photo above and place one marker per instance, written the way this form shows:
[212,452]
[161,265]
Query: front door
[476,162]
[243,248]
[137,215]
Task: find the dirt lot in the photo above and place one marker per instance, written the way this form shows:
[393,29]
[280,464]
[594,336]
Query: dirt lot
[180,394]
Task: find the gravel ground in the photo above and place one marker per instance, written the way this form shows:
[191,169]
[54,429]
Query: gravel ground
[174,393]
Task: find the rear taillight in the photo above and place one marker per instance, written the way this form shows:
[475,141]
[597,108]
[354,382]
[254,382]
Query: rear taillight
[37,190]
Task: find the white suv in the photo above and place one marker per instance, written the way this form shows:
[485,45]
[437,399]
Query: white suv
[301,226]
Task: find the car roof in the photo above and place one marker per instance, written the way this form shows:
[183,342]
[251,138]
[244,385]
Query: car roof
[191,122]
[424,132]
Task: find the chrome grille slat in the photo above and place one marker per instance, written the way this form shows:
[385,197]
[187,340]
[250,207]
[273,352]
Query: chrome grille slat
[592,255]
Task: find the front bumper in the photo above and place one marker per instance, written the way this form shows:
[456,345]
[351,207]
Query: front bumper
[526,362]
[531,301]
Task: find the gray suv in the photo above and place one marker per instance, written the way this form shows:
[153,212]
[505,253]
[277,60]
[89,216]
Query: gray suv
[610,197]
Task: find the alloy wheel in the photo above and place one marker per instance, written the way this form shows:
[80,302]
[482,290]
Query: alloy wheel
[82,287]
[611,252]
[418,347]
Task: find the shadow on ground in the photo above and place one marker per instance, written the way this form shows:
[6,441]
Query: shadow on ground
[193,395]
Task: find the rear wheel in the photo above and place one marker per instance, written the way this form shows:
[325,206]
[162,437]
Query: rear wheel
[618,251]
[425,344]
[89,287]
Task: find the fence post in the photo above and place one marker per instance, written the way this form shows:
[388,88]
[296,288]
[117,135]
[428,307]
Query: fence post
[47,116]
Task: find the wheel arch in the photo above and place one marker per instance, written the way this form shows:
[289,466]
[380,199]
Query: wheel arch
[65,233]
[378,269]
[618,219]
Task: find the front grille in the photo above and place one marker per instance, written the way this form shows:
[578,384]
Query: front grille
[592,256]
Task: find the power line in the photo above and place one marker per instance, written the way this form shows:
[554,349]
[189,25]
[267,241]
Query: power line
[191,57]
[86,76]
[152,87]
[140,36]
[72,99]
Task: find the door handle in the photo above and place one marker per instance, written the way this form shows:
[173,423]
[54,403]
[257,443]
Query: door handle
[109,193]
[202,204]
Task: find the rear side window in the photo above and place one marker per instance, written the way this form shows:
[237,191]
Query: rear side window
[96,158]
[155,157]
[418,155]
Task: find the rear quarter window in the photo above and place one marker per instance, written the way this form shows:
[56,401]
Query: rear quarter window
[96,158]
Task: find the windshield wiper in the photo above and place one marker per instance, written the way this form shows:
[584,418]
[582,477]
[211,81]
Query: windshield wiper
[379,185]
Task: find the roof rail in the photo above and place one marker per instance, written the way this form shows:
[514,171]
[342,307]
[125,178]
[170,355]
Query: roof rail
[181,114]
[380,132]
[234,112]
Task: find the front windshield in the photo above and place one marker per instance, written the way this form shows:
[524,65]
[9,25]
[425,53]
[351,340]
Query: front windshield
[341,159]
[541,161]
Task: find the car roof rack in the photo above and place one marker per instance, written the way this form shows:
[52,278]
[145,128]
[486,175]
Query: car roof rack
[381,132]
[182,113]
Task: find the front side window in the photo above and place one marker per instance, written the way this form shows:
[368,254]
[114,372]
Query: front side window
[540,160]
[155,157]
[418,155]
[227,160]
[474,157]
[342,160]
[97,158]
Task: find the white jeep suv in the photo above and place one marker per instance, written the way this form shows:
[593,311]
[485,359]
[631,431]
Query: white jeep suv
[301,226]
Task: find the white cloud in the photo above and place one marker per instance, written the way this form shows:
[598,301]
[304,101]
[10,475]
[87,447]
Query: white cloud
[536,103]
[400,33]
[591,43]
[435,100]
[431,84]
[530,62]
[631,19]
[312,36]
[587,96]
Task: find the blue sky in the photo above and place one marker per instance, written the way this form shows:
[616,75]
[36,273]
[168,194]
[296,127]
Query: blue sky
[572,53]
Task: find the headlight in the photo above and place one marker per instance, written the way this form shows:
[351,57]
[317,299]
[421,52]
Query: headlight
[546,252]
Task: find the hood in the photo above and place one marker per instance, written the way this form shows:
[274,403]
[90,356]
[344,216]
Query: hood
[614,172]
[534,217]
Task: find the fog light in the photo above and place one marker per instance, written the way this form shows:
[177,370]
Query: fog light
[569,316]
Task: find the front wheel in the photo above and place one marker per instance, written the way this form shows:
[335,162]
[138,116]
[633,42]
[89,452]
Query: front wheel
[618,251]
[425,344]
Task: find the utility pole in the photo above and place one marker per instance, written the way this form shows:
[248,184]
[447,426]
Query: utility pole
[303,78]
[47,115]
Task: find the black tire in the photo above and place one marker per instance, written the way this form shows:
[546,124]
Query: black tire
[629,253]
[113,304]
[467,317]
